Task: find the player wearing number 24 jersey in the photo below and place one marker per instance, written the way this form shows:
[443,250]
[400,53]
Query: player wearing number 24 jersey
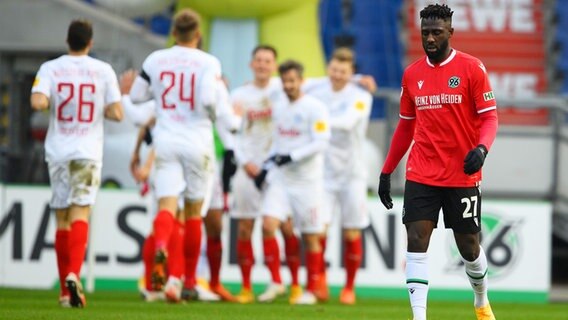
[183,80]
[80,91]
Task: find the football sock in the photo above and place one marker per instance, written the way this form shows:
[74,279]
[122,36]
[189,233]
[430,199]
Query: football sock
[292,249]
[272,258]
[313,266]
[245,257]
[163,226]
[352,259]
[477,274]
[323,244]
[175,250]
[192,246]
[62,253]
[77,245]
[214,254]
[148,252]
[417,282]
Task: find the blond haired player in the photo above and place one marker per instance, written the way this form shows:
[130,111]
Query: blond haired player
[81,92]
[345,176]
[252,145]
[294,171]
[182,79]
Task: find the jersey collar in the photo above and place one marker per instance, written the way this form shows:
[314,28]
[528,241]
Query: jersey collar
[443,63]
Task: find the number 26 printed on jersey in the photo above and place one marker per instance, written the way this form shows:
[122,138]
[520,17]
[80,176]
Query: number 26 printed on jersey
[185,94]
[85,106]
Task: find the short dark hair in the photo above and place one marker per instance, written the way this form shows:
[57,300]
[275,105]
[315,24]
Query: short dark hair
[79,34]
[264,47]
[289,65]
[344,54]
[437,11]
[186,23]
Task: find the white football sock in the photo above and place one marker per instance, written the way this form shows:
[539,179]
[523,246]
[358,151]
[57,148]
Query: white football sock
[417,282]
[477,274]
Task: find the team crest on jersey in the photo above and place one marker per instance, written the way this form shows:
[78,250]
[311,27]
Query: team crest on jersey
[454,82]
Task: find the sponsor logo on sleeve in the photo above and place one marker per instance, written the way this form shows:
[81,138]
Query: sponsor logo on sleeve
[360,105]
[320,126]
[487,96]
[36,82]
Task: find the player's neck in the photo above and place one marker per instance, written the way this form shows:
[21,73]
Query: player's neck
[261,83]
[296,98]
[336,87]
[190,44]
[78,53]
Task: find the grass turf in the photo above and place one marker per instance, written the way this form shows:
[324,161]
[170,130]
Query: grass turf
[106,305]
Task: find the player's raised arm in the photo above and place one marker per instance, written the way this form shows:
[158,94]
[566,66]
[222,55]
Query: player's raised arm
[141,90]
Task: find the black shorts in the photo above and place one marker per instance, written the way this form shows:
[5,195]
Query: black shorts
[461,206]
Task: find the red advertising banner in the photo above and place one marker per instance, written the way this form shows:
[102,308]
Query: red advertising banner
[507,36]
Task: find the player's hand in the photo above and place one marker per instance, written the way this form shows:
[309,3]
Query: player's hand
[134,164]
[369,83]
[225,202]
[474,159]
[126,80]
[385,190]
[143,173]
[259,179]
[281,159]
[229,169]
[251,169]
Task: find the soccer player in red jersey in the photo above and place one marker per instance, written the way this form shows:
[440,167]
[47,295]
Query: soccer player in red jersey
[448,108]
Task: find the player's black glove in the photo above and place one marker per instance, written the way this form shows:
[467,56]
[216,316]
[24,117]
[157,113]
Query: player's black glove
[281,159]
[474,159]
[259,179]
[385,190]
[229,169]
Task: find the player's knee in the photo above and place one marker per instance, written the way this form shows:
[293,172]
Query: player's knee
[417,242]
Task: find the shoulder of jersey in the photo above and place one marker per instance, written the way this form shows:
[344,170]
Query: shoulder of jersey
[418,62]
[314,101]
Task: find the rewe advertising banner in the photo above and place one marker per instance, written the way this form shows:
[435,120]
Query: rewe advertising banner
[507,36]
[516,239]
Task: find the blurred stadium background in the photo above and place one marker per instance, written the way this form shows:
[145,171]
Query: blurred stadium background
[523,43]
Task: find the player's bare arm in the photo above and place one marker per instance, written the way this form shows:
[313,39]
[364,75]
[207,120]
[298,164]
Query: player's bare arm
[39,101]
[114,112]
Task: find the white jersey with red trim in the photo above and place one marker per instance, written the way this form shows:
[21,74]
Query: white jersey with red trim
[255,136]
[79,88]
[349,111]
[301,130]
[184,82]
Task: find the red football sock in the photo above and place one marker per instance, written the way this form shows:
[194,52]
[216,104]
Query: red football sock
[323,244]
[62,253]
[292,249]
[77,245]
[214,255]
[313,265]
[272,258]
[245,257]
[175,251]
[192,246]
[148,252]
[352,259]
[163,226]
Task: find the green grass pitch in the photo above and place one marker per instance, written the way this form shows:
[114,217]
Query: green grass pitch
[107,305]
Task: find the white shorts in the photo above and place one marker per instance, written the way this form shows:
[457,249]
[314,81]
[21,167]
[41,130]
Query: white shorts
[303,202]
[216,199]
[247,198]
[182,170]
[74,182]
[351,201]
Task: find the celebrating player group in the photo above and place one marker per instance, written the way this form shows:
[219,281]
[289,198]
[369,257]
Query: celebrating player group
[293,159]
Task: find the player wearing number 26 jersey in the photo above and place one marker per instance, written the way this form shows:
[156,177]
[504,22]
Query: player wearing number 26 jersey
[184,81]
[80,91]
